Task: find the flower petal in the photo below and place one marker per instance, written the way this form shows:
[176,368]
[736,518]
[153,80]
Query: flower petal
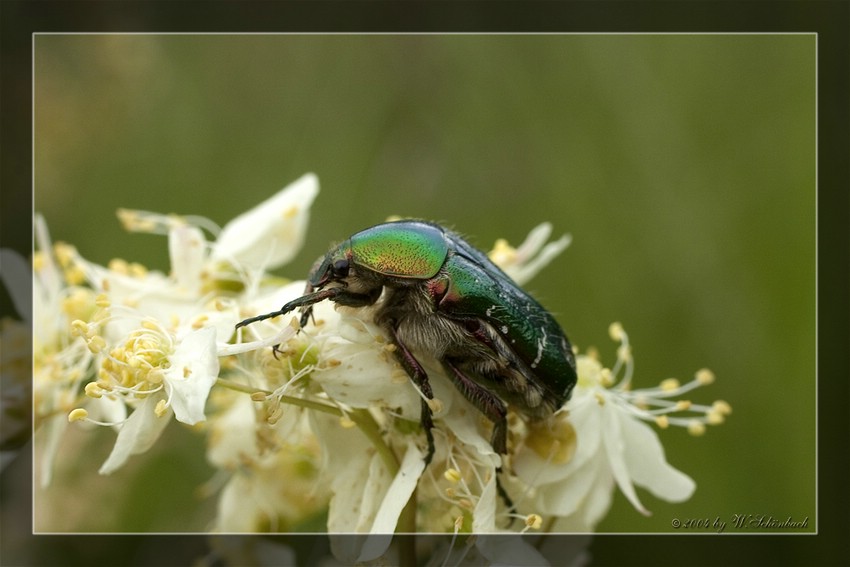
[138,434]
[612,434]
[648,467]
[194,369]
[270,234]
[187,249]
[398,494]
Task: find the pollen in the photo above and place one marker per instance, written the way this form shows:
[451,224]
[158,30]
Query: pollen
[119,266]
[452,475]
[696,428]
[683,405]
[533,521]
[555,441]
[722,407]
[436,405]
[78,414]
[38,261]
[96,344]
[65,253]
[93,390]
[669,385]
[662,421]
[615,331]
[714,417]
[79,328]
[187,372]
[705,376]
[458,525]
[138,270]
[161,408]
[503,253]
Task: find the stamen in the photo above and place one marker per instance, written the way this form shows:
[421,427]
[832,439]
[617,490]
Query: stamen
[78,414]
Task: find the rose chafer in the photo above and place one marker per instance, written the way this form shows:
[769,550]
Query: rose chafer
[436,295]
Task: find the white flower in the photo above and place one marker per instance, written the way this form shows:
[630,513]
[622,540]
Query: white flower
[270,234]
[523,263]
[611,443]
[157,376]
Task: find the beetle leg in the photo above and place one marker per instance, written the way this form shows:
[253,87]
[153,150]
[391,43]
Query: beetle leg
[492,407]
[336,294]
[420,378]
[486,402]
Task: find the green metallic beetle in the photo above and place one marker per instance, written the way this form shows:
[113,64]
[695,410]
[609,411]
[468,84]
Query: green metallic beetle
[442,298]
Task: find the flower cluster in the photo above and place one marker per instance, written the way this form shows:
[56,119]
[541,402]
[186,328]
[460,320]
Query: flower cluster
[328,409]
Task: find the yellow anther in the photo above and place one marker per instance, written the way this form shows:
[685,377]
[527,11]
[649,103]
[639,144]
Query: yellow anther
[258,396]
[38,261]
[552,440]
[93,390]
[119,266]
[615,331]
[187,372]
[683,405]
[78,414]
[669,384]
[150,324]
[502,253]
[533,521]
[721,406]
[606,378]
[600,399]
[65,253]
[705,376]
[79,328]
[346,422]
[275,415]
[102,300]
[696,428]
[75,275]
[137,270]
[451,492]
[714,417]
[96,344]
[161,408]
[200,321]
[662,421]
[458,523]
[452,475]
[466,503]
[398,376]
[436,405]
[624,353]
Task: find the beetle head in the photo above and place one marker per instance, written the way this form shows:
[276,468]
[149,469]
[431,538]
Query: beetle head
[332,267]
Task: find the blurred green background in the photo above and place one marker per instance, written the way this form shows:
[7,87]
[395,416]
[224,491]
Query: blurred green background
[682,165]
